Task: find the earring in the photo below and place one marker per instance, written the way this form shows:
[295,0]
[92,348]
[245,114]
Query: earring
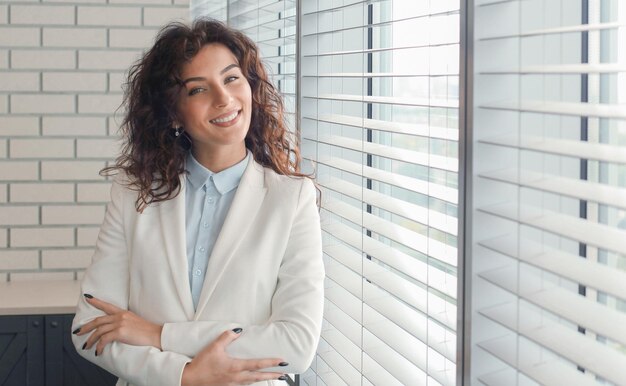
[177,131]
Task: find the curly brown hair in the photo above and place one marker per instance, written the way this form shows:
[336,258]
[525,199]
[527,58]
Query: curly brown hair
[153,157]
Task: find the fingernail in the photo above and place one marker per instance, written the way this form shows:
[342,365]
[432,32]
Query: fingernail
[282,378]
[76,331]
[283,364]
[237,330]
[88,296]
[96,352]
[84,345]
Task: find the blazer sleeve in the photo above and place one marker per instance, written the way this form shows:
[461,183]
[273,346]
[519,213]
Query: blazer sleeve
[107,278]
[293,330]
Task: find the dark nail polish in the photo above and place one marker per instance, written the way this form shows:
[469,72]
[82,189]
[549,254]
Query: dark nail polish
[283,364]
[88,296]
[282,378]
[84,345]
[96,352]
[76,331]
[237,330]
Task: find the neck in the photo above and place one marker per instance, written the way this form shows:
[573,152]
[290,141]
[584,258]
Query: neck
[219,158]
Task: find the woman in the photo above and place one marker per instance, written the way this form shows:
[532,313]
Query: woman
[207,182]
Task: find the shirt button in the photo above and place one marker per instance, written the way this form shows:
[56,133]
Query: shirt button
[197,272]
[210,200]
[201,249]
[206,225]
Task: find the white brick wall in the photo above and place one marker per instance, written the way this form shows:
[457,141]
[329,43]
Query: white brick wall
[62,65]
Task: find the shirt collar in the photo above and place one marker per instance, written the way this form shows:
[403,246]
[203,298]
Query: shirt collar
[225,181]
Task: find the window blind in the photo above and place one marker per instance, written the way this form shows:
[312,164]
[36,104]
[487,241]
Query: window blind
[379,122]
[549,193]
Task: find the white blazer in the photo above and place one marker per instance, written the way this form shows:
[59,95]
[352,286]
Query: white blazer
[265,275]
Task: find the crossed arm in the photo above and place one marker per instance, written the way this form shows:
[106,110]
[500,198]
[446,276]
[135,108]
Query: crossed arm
[168,354]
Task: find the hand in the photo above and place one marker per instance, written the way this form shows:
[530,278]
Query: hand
[119,325]
[213,366]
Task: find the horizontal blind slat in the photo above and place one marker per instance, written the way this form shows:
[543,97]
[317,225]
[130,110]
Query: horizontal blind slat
[566,265]
[581,189]
[570,344]
[585,231]
[578,309]
[576,149]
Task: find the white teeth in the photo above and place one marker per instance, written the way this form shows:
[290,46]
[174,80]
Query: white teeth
[226,119]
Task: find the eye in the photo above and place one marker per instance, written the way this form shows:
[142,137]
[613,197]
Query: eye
[195,90]
[231,79]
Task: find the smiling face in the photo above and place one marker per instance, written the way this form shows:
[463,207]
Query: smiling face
[215,104]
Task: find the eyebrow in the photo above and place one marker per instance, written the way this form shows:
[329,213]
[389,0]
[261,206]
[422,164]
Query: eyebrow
[200,78]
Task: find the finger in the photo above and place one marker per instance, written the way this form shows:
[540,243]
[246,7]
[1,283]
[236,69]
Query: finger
[93,338]
[97,322]
[256,376]
[108,308]
[226,338]
[105,339]
[257,364]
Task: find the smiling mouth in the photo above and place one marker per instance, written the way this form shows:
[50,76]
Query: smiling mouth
[227,118]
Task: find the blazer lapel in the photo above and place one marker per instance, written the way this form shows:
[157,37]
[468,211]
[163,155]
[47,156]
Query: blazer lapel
[172,224]
[246,204]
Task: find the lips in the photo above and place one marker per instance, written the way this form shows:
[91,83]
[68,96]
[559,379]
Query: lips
[226,118]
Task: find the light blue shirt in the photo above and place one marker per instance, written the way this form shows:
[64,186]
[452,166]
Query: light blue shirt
[208,197]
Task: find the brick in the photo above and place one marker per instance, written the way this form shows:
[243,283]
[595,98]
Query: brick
[117,81]
[42,237]
[3,192]
[36,276]
[19,37]
[96,192]
[66,258]
[19,171]
[37,192]
[99,104]
[18,126]
[74,37]
[42,148]
[109,16]
[42,103]
[19,215]
[74,126]
[3,148]
[72,214]
[43,59]
[4,14]
[81,1]
[3,238]
[132,38]
[4,104]
[74,81]
[86,237]
[106,60]
[71,170]
[97,148]
[181,2]
[19,81]
[4,59]
[160,2]
[42,14]
[159,16]
[19,259]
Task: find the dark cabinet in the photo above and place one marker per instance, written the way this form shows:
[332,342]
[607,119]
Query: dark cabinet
[37,350]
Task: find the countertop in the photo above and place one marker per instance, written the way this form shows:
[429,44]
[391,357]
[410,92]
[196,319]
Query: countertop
[39,297]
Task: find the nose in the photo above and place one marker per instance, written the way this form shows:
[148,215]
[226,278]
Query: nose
[222,97]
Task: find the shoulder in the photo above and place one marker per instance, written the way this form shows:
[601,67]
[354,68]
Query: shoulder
[284,183]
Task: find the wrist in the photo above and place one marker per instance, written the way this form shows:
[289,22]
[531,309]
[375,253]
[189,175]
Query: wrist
[187,378]
[157,337]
